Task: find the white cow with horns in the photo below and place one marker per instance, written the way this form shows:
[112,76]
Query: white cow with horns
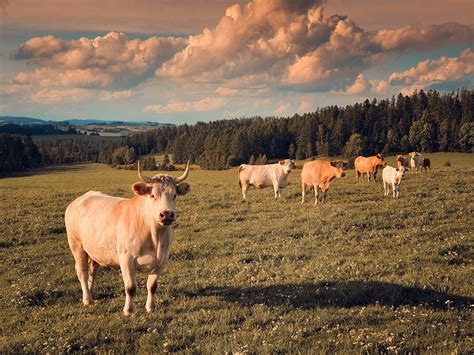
[131,234]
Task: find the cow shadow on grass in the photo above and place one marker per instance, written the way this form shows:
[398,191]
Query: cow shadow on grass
[339,294]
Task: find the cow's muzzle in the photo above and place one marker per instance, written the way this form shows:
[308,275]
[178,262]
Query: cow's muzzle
[167,217]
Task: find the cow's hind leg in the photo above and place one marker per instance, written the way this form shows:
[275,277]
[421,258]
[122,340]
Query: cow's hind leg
[316,197]
[80,256]
[303,192]
[92,268]
[245,188]
[127,266]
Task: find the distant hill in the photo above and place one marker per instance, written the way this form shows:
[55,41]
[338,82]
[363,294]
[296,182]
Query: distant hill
[22,120]
[75,122]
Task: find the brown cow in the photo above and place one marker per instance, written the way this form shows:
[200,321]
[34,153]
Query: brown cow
[402,162]
[368,165]
[319,174]
[127,234]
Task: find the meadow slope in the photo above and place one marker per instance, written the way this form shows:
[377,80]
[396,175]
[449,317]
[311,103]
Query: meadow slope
[360,273]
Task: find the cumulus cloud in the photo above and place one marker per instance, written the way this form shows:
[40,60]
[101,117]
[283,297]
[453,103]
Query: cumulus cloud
[256,47]
[48,97]
[444,69]
[433,36]
[363,86]
[379,86]
[360,85]
[305,105]
[295,43]
[10,90]
[226,91]
[115,95]
[282,108]
[204,105]
[98,62]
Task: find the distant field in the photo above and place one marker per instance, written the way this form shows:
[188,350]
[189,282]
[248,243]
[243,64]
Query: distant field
[75,136]
[360,273]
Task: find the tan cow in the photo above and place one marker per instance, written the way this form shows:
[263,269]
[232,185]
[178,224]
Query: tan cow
[416,161]
[261,176]
[319,174]
[402,162]
[368,165]
[127,234]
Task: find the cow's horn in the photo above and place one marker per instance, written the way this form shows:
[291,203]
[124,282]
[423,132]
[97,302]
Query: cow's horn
[143,177]
[185,174]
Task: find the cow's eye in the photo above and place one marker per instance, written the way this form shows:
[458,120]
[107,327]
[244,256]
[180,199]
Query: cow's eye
[152,196]
[174,197]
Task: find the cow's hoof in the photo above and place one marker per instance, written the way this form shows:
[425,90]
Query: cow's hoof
[87,302]
[151,310]
[128,312]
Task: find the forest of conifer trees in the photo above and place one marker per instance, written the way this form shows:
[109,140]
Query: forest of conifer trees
[426,122]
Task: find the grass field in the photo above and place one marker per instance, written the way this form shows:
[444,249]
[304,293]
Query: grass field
[359,273]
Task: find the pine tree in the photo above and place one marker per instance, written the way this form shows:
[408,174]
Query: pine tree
[355,146]
[252,160]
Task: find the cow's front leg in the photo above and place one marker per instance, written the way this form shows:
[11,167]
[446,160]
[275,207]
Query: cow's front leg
[324,195]
[127,266]
[151,285]
[276,188]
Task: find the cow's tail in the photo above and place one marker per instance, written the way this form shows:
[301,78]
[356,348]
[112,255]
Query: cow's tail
[241,167]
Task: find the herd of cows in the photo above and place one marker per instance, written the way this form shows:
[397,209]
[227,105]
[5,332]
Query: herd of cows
[135,234]
[318,174]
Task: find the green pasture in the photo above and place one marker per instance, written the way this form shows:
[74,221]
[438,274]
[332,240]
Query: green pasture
[361,273]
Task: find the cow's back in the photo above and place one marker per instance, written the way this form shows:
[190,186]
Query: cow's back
[361,164]
[258,175]
[313,171]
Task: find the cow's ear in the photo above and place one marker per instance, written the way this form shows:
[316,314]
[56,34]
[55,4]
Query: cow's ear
[140,188]
[334,163]
[183,188]
[282,162]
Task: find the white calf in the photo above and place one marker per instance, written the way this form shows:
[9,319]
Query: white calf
[392,176]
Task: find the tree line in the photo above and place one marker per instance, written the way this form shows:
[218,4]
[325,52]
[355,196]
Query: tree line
[427,122]
[424,121]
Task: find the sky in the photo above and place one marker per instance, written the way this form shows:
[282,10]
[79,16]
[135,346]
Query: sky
[186,61]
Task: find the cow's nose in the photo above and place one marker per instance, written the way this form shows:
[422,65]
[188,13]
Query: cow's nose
[343,174]
[167,215]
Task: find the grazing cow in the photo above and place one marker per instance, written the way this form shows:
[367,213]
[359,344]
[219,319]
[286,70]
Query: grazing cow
[392,177]
[402,161]
[426,164]
[368,166]
[319,174]
[127,234]
[261,176]
[416,161]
